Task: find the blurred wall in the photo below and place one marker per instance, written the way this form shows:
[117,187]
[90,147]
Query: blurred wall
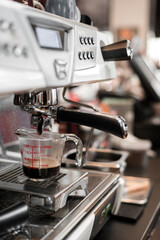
[115,15]
[97,10]
[130,14]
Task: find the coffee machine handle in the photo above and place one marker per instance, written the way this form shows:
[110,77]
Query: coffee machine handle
[117,51]
[115,125]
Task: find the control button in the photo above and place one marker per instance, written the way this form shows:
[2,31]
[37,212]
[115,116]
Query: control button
[89,40]
[17,51]
[81,40]
[60,68]
[88,55]
[85,40]
[92,55]
[80,55]
[84,55]
[12,28]
[6,49]
[24,52]
[92,40]
[4,25]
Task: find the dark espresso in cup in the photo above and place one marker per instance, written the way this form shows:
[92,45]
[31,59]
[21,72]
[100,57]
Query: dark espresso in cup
[40,173]
[46,168]
[42,155]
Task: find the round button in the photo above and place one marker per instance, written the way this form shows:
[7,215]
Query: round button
[80,55]
[92,55]
[6,49]
[17,51]
[85,40]
[81,40]
[88,55]
[89,40]
[24,52]
[12,28]
[92,40]
[4,25]
[84,55]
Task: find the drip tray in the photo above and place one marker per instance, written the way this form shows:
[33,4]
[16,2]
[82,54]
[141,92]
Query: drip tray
[51,193]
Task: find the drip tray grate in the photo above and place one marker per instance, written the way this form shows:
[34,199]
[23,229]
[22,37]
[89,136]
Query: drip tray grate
[51,193]
[16,175]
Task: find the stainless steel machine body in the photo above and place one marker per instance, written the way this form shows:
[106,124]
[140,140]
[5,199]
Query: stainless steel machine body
[60,208]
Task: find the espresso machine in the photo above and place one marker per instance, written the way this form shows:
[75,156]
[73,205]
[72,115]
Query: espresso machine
[41,53]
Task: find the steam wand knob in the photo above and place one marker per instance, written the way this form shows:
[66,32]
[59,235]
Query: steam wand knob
[117,51]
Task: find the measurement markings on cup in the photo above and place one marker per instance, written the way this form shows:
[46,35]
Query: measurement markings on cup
[31,150]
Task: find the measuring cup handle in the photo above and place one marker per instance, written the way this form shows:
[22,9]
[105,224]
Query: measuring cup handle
[79,147]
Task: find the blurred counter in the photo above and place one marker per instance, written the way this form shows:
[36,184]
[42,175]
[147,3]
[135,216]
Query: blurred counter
[123,229]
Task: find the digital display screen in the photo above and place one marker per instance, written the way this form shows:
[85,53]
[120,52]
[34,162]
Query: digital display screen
[49,38]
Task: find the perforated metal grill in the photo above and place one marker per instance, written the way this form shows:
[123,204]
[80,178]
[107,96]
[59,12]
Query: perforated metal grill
[51,193]
[5,167]
[16,175]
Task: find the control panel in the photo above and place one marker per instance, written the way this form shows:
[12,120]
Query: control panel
[40,50]
[85,49]
[15,51]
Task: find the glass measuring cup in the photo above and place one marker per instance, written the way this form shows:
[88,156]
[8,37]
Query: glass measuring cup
[42,154]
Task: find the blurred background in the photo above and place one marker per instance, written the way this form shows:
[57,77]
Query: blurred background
[135,93]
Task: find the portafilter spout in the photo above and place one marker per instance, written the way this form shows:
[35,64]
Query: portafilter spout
[44,106]
[40,104]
